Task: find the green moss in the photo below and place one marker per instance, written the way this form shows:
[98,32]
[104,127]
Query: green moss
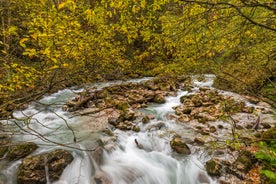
[269,134]
[123,106]
[213,167]
[269,91]
[19,151]
[145,119]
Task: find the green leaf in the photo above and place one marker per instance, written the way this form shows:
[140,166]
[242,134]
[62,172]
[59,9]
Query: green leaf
[271,175]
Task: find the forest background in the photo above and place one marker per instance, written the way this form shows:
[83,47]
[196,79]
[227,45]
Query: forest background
[50,44]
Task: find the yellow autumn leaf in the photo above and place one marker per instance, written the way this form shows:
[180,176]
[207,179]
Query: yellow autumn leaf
[61,5]
[54,67]
[65,65]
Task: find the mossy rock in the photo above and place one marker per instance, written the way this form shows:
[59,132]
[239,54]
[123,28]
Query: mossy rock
[129,115]
[32,168]
[136,128]
[196,101]
[123,106]
[146,119]
[183,98]
[159,98]
[213,167]
[16,152]
[180,146]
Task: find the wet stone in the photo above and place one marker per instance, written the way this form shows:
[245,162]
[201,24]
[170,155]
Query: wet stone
[180,146]
[199,140]
[98,155]
[203,178]
[146,119]
[107,131]
[136,128]
[101,178]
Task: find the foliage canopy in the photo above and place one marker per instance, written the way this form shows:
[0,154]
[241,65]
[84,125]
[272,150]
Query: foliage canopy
[49,42]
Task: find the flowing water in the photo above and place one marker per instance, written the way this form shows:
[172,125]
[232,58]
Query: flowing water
[155,163]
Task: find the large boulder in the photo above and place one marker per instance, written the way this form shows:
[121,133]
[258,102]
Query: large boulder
[32,168]
[21,150]
[180,146]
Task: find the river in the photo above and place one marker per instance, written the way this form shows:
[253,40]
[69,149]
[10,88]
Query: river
[156,163]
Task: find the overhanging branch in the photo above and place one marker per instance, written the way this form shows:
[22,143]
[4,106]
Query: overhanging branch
[238,9]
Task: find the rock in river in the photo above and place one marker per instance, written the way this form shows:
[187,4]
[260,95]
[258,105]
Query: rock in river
[21,150]
[180,146]
[33,168]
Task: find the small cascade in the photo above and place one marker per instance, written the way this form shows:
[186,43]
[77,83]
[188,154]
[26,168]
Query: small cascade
[147,157]
[80,170]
